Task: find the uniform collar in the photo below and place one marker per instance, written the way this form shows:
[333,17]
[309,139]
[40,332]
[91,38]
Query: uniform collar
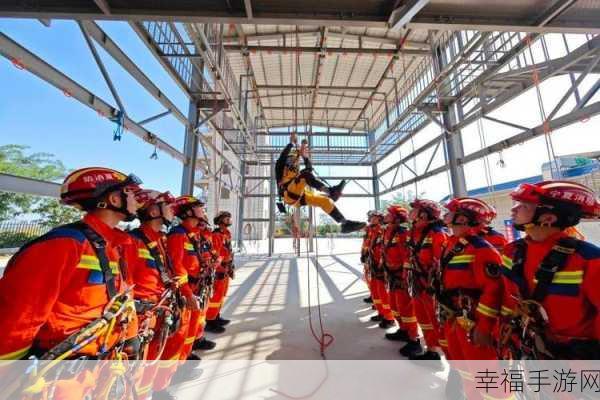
[189,227]
[552,239]
[111,235]
[150,233]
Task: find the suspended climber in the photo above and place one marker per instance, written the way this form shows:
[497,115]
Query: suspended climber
[295,185]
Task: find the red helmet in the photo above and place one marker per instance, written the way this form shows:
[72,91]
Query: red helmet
[398,212]
[571,195]
[432,208]
[221,215]
[478,211]
[187,202]
[374,213]
[149,197]
[91,183]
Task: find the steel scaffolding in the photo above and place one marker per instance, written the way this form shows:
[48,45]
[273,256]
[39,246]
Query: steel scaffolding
[360,89]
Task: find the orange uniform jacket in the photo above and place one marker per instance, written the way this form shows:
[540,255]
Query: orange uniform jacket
[395,250]
[184,258]
[375,241]
[476,267]
[55,287]
[222,243]
[143,268]
[494,238]
[573,298]
[431,248]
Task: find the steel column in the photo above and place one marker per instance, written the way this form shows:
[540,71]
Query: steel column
[190,151]
[272,190]
[240,215]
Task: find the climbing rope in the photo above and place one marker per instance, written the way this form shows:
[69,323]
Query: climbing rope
[535,77]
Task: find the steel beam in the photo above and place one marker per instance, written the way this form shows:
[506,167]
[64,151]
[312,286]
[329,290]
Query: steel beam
[131,67]
[329,50]
[271,195]
[329,88]
[190,149]
[14,51]
[404,13]
[557,123]
[36,187]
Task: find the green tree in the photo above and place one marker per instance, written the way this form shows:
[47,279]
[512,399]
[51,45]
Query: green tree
[44,166]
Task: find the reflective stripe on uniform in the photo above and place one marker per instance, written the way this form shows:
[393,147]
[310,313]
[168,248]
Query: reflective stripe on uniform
[145,254]
[487,311]
[567,277]
[15,355]
[92,262]
[507,262]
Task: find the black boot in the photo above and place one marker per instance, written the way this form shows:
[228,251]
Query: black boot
[352,226]
[386,323]
[222,321]
[399,336]
[377,318]
[163,395]
[411,347]
[429,359]
[203,344]
[187,371]
[214,327]
[335,192]
[193,357]
[368,300]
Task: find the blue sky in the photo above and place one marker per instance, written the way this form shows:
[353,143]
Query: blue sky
[38,115]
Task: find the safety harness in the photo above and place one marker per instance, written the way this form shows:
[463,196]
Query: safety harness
[531,319]
[393,277]
[152,247]
[456,303]
[417,272]
[205,282]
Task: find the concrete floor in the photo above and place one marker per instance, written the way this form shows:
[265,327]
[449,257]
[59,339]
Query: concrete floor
[269,352]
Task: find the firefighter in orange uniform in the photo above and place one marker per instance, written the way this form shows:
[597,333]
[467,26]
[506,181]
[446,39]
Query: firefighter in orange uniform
[61,282]
[183,248]
[491,235]
[551,279]
[224,270]
[210,253]
[396,259]
[381,297]
[164,321]
[470,288]
[426,242]
[364,256]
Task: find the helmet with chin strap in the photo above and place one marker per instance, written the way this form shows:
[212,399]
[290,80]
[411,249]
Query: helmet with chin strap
[568,201]
[221,216]
[477,211]
[149,198]
[86,188]
[430,207]
[399,213]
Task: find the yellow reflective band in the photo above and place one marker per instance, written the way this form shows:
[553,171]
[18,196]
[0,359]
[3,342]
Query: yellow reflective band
[396,314]
[145,254]
[143,389]
[152,245]
[202,320]
[214,305]
[92,262]
[409,319]
[505,311]
[463,259]
[376,301]
[386,306]
[426,327]
[189,340]
[507,262]
[15,355]
[567,277]
[443,342]
[183,279]
[188,246]
[487,311]
[428,240]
